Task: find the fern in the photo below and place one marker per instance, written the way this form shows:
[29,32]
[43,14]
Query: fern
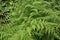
[29,20]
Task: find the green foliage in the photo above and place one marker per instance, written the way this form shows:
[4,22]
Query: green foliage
[29,19]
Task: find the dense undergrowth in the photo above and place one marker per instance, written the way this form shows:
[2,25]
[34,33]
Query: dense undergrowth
[30,20]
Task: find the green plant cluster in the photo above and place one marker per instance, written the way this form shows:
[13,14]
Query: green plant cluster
[30,20]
